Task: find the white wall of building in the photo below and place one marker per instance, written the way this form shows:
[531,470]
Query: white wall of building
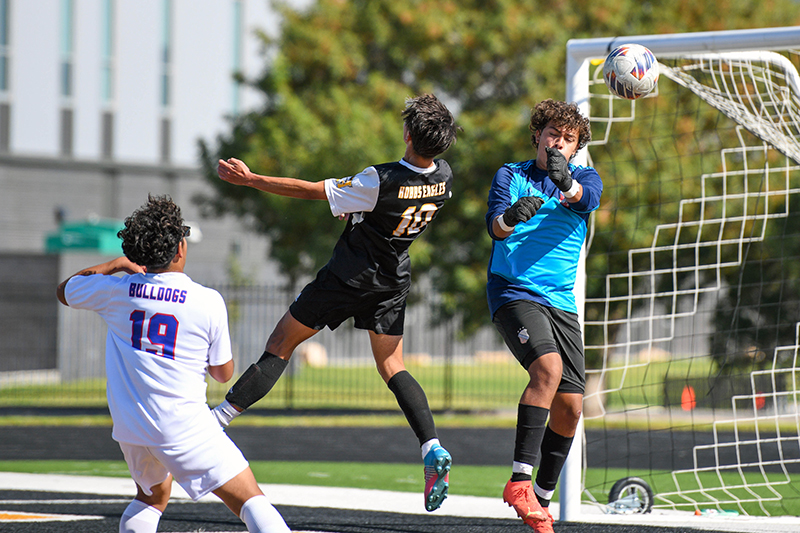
[202,65]
[33,80]
[136,79]
[37,179]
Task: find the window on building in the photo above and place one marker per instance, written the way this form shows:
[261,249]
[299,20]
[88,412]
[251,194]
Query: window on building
[166,67]
[238,37]
[107,81]
[107,53]
[66,47]
[5,53]
[66,118]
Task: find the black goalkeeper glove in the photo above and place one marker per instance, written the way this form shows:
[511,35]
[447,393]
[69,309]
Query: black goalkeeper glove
[558,169]
[522,210]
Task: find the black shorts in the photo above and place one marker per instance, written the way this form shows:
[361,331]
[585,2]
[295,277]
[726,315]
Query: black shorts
[531,330]
[328,301]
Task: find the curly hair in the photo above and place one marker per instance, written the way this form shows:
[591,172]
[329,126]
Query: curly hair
[152,233]
[432,127]
[562,115]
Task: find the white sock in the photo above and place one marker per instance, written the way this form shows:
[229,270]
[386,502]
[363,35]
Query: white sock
[261,517]
[225,412]
[544,494]
[522,468]
[426,446]
[139,517]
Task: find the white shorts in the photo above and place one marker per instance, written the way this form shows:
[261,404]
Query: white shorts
[199,467]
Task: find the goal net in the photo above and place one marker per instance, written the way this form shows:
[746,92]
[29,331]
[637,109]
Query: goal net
[692,289]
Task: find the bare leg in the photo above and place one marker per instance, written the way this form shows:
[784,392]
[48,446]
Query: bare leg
[245,499]
[287,335]
[160,497]
[144,513]
[238,490]
[565,412]
[545,375]
[388,353]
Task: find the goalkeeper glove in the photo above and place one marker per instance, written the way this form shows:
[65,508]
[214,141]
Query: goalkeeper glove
[558,170]
[522,211]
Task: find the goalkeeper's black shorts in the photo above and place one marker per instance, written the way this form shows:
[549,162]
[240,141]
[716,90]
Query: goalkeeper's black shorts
[531,330]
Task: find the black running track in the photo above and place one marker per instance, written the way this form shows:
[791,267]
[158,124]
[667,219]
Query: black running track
[468,447]
[186,517]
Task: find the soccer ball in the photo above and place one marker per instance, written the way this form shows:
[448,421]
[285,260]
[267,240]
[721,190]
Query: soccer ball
[630,71]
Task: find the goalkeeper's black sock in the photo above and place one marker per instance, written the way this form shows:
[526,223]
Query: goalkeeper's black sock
[555,449]
[531,424]
[256,381]
[414,403]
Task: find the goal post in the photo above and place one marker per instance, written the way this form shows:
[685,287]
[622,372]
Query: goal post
[667,293]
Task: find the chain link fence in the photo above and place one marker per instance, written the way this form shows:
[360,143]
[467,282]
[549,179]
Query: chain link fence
[54,356]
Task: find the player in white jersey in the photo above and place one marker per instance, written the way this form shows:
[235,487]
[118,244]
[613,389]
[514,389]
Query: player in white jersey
[164,333]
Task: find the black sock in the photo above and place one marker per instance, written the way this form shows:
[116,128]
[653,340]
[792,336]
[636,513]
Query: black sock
[531,424]
[555,449]
[414,403]
[256,381]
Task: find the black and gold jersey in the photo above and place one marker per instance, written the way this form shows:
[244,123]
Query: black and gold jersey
[372,252]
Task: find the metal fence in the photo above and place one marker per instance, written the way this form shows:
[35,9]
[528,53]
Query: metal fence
[333,369]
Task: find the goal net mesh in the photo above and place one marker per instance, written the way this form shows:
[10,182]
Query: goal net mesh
[692,315]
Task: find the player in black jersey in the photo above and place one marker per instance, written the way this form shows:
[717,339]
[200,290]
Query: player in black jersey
[368,276]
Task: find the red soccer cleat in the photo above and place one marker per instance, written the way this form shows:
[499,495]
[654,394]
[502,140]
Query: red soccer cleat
[520,496]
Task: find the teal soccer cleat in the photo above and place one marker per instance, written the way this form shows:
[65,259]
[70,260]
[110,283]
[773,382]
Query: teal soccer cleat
[437,475]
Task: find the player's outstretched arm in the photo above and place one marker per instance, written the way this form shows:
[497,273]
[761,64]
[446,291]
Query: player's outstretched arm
[221,373]
[237,172]
[120,264]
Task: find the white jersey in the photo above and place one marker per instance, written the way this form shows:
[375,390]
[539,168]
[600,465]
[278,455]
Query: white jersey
[164,330]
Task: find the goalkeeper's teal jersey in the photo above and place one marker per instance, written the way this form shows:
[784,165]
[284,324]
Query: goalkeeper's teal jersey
[539,260]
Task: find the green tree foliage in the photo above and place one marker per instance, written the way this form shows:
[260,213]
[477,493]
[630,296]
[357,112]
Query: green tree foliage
[335,81]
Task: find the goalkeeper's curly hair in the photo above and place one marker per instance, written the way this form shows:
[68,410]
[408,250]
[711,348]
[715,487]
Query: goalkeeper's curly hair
[152,233]
[562,115]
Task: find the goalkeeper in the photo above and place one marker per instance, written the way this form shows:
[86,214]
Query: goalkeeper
[538,211]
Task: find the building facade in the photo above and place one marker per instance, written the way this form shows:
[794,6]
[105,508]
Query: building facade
[105,101]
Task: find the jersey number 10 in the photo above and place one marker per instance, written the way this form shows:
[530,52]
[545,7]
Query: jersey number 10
[414,220]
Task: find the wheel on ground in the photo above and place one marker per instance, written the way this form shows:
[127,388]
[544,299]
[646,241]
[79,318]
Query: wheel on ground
[631,495]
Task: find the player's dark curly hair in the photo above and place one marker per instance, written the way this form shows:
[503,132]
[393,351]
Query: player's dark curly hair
[432,127]
[152,233]
[562,115]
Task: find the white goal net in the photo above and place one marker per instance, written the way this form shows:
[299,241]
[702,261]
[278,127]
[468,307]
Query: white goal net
[692,289]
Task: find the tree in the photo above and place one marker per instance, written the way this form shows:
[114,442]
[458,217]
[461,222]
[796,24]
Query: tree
[335,84]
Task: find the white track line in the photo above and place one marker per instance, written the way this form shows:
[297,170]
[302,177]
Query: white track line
[396,502]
